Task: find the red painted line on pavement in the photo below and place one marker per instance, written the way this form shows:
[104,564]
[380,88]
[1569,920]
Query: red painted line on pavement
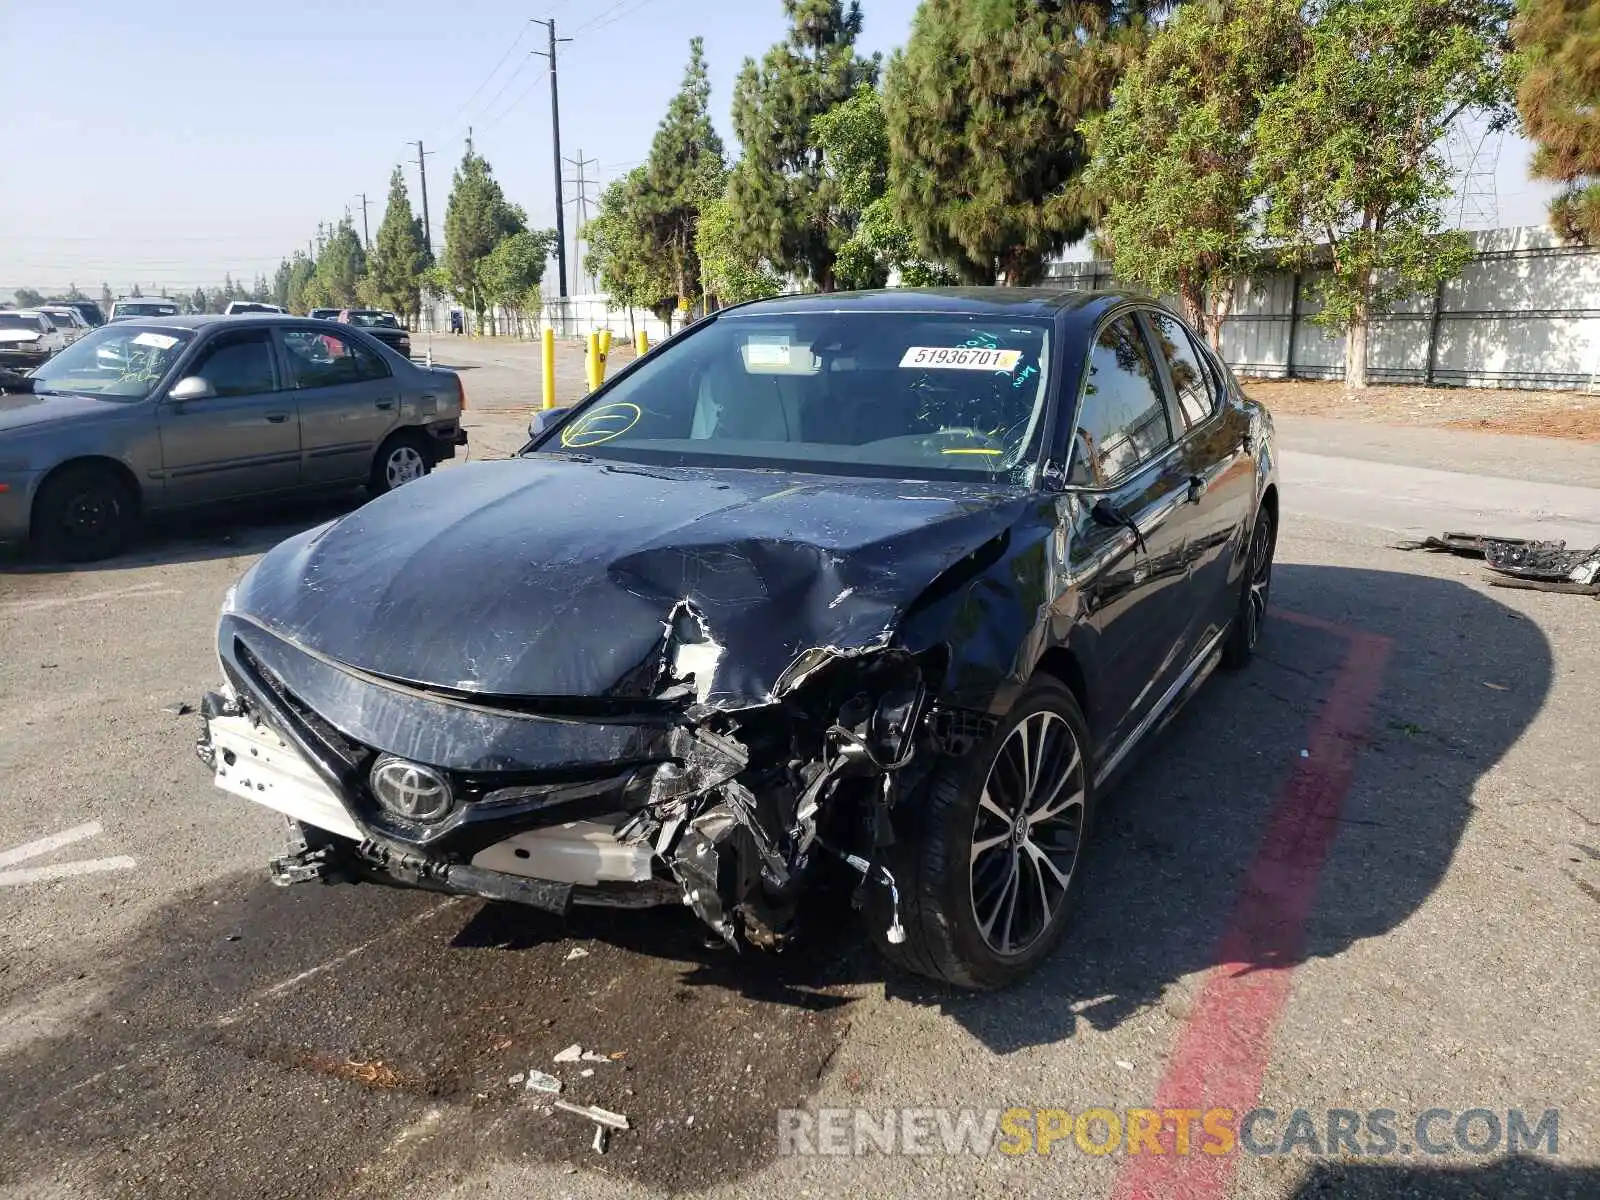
[1223,1049]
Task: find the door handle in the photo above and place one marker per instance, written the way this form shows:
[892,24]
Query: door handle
[385,404]
[277,418]
[1197,489]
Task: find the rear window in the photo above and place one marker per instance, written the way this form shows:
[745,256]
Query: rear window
[140,309]
[17,321]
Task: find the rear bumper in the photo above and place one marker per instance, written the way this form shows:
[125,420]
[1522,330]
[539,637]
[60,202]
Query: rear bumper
[23,360]
[444,437]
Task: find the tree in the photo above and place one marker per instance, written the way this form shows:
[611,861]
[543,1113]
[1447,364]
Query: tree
[729,273]
[1172,156]
[624,254]
[780,198]
[984,107]
[73,293]
[106,298]
[27,298]
[398,256]
[279,293]
[135,293]
[1347,149]
[197,302]
[299,289]
[684,172]
[341,267]
[854,140]
[512,271]
[1559,99]
[476,218]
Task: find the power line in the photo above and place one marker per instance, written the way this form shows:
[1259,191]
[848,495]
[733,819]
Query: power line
[582,202]
[602,18]
[522,32]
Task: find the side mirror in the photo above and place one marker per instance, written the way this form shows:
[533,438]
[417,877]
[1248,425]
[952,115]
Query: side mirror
[544,418]
[193,387]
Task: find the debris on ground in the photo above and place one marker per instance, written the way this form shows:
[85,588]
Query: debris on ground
[538,1081]
[600,1116]
[178,708]
[1520,563]
[571,1054]
[576,952]
[600,1135]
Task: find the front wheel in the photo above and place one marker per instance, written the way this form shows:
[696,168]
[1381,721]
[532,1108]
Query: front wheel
[402,458]
[990,873]
[83,513]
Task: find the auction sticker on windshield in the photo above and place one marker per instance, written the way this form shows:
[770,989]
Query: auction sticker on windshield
[961,358]
[160,341]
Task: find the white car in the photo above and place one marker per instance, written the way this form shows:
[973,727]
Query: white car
[68,321]
[142,306]
[251,306]
[28,338]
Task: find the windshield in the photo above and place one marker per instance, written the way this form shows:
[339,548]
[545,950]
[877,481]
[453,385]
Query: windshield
[138,309]
[372,320]
[906,395]
[122,360]
[17,321]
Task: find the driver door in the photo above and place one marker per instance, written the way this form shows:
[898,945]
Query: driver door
[244,440]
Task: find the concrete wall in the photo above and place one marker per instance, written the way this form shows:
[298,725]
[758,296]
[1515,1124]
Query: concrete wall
[571,317]
[1524,313]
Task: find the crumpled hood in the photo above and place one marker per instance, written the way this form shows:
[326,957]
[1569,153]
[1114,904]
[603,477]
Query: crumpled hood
[550,577]
[19,412]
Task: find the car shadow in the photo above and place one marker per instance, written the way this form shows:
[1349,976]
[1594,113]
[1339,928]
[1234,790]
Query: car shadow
[1519,1176]
[243,528]
[241,1006]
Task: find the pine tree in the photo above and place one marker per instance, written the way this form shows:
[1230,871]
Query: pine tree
[341,266]
[1559,99]
[684,172]
[476,218]
[398,256]
[984,107]
[106,298]
[197,302]
[779,195]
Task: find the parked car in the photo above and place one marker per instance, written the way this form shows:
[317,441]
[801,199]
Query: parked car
[131,307]
[149,416]
[235,307]
[87,309]
[323,314]
[67,319]
[28,338]
[894,580]
[381,325]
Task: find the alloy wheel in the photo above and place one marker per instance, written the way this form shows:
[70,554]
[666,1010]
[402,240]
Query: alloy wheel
[404,465]
[1027,833]
[1260,576]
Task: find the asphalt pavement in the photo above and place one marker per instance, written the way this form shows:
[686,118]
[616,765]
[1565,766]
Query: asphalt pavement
[1362,874]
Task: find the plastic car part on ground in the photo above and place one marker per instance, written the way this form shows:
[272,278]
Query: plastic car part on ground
[1520,563]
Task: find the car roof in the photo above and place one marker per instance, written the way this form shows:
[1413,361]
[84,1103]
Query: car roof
[964,301]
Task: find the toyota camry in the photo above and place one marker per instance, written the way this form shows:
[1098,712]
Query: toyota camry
[883,584]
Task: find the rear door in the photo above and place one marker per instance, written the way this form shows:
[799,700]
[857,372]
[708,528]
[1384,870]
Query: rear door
[1125,461]
[349,401]
[1221,475]
[243,441]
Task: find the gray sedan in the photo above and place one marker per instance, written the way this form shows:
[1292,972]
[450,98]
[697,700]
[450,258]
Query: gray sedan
[175,413]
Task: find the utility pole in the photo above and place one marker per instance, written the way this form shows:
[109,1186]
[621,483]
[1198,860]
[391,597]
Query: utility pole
[422,169]
[582,203]
[366,232]
[555,137]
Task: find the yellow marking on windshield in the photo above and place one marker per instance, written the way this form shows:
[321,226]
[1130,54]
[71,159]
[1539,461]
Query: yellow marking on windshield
[970,450]
[601,425]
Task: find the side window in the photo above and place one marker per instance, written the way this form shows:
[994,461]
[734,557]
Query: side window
[319,358]
[238,364]
[1196,386]
[1122,421]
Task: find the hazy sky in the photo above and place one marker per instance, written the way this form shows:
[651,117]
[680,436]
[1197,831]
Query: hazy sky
[167,143]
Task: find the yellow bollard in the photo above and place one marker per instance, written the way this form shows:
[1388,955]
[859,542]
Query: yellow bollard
[605,343]
[549,367]
[602,348]
[641,344]
[591,357]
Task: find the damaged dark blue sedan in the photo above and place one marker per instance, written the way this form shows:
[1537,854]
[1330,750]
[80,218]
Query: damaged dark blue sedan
[891,580]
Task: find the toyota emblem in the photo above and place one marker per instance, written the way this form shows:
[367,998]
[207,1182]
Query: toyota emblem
[410,790]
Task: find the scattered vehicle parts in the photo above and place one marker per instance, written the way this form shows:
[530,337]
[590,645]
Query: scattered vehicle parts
[1520,563]
[538,1081]
[600,1116]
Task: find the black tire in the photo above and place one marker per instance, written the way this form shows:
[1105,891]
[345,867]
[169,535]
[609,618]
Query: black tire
[402,458]
[948,879]
[83,513]
[1255,591]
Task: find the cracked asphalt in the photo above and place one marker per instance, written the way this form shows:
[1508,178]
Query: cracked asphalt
[180,1027]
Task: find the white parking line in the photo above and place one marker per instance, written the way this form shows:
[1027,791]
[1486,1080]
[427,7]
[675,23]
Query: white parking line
[55,841]
[141,590]
[87,866]
[49,845]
